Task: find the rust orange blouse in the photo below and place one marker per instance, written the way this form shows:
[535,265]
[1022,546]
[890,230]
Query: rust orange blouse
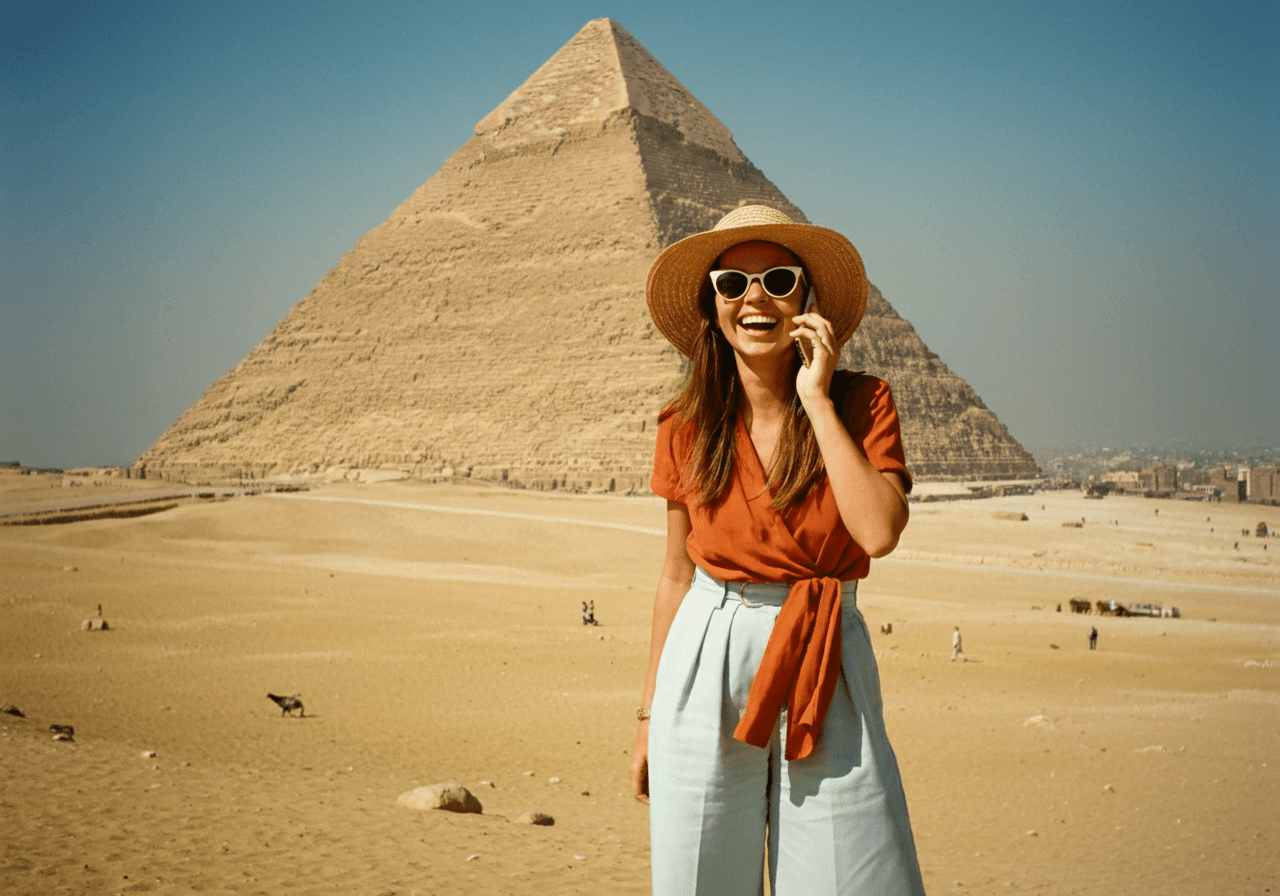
[742,538]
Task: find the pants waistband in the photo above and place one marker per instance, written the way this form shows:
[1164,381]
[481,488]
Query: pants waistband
[754,594]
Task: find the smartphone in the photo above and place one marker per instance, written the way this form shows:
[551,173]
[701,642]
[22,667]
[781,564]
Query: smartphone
[806,350]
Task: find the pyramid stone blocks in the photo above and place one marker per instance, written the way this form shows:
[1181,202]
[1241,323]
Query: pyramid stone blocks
[495,324]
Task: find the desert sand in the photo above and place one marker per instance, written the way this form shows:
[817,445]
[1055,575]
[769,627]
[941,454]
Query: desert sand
[434,634]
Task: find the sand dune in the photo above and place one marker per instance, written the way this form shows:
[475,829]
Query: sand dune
[433,633]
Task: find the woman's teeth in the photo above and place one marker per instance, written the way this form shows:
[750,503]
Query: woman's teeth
[759,322]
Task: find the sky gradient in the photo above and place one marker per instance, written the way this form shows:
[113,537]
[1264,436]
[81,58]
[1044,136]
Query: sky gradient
[1076,206]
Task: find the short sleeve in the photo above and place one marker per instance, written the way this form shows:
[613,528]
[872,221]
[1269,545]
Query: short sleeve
[872,418]
[666,481]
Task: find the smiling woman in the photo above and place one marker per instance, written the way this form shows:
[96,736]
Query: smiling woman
[749,317]
[761,718]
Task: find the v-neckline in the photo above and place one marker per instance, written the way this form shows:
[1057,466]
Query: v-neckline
[759,474]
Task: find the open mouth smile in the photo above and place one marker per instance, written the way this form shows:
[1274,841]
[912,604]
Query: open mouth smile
[758,323]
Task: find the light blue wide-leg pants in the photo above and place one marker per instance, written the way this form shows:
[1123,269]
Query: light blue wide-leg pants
[836,821]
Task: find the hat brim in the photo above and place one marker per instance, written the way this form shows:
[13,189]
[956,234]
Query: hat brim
[678,276]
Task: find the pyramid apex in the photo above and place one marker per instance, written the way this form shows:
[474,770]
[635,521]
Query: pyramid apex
[599,72]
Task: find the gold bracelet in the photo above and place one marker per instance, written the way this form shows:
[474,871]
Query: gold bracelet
[643,713]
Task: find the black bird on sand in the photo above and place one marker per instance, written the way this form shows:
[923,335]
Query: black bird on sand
[289,704]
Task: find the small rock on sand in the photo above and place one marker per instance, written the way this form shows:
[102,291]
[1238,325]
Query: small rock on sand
[12,710]
[536,818]
[450,796]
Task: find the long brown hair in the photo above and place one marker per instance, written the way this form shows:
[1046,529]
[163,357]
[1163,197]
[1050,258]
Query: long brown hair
[711,397]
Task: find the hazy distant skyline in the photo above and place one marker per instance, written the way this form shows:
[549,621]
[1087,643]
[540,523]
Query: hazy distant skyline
[1077,207]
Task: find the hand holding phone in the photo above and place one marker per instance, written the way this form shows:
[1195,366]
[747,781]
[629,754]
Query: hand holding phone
[806,349]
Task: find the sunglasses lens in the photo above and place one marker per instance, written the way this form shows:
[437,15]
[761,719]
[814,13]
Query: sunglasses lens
[779,282]
[731,284]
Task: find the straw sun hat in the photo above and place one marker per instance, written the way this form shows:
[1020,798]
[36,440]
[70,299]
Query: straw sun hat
[680,275]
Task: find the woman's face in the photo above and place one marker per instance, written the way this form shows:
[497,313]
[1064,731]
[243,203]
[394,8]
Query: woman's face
[757,324]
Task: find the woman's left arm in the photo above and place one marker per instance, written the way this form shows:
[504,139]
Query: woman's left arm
[872,504]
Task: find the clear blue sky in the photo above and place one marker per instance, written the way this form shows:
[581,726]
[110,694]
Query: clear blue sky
[1076,204]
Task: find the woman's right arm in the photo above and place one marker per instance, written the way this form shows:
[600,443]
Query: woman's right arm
[677,573]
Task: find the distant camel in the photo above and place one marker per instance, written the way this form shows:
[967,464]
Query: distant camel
[289,704]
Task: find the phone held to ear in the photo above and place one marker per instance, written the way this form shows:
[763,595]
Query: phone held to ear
[806,349]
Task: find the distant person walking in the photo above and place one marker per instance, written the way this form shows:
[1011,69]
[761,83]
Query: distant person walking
[1093,638]
[957,648]
[761,728]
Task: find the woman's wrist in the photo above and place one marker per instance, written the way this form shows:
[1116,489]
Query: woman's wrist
[817,404]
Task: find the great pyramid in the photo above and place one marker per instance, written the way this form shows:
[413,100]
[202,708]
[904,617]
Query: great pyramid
[495,325]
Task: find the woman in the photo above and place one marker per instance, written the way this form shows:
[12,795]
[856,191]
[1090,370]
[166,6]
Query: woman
[762,715]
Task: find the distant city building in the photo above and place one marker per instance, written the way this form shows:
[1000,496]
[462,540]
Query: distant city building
[1123,480]
[1236,485]
[1159,479]
[1261,486]
[1227,485]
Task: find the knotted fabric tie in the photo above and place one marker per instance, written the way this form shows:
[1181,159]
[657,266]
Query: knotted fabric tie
[800,666]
